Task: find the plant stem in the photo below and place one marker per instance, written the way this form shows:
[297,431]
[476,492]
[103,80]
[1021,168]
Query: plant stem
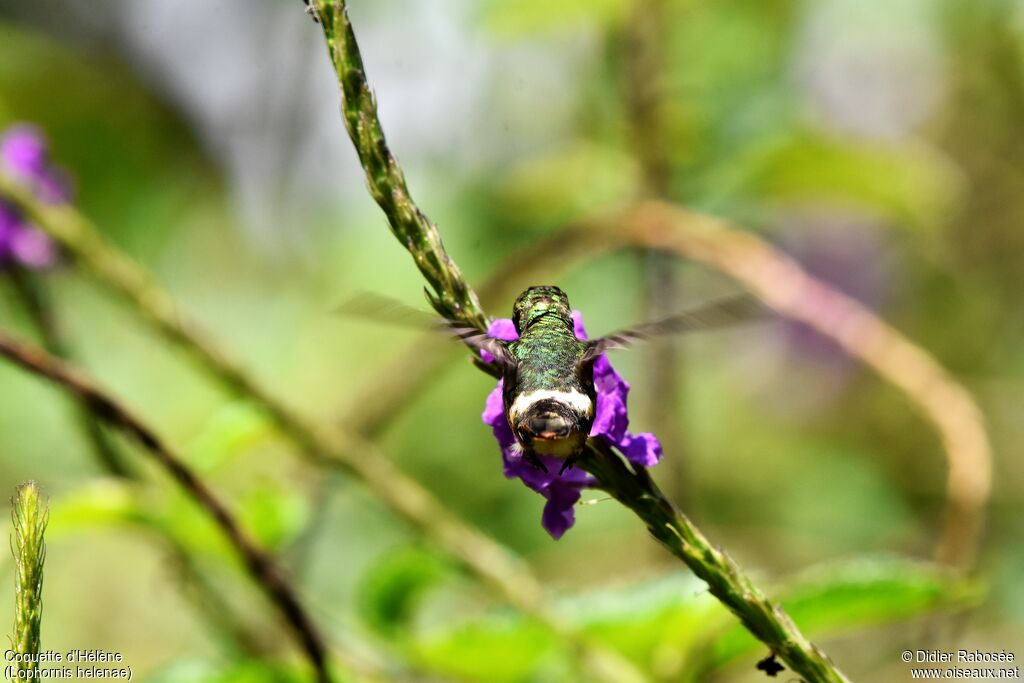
[39,305]
[257,561]
[634,488]
[784,285]
[452,296]
[29,515]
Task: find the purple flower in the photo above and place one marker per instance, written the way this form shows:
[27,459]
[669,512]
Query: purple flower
[24,156]
[611,421]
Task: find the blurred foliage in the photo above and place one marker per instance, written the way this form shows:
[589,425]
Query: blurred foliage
[672,627]
[844,131]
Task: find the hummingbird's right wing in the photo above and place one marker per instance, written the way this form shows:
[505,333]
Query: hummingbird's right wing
[371,306]
[481,341]
[383,309]
[717,314]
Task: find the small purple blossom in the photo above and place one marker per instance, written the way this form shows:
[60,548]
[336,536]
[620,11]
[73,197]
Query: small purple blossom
[24,156]
[611,421]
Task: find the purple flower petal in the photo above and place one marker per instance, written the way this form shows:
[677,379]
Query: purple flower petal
[494,415]
[611,421]
[503,329]
[32,248]
[611,417]
[560,510]
[23,153]
[643,449]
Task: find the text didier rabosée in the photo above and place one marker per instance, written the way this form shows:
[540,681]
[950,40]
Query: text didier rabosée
[963,656]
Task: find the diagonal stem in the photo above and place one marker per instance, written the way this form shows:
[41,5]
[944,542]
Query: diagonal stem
[452,296]
[634,488]
[782,284]
[38,304]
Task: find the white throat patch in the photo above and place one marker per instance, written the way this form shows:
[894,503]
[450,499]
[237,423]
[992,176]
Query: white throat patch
[578,400]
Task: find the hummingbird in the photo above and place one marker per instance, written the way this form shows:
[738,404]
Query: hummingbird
[548,393]
[548,372]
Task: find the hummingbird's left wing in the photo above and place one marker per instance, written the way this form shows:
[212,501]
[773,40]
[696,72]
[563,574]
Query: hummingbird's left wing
[717,314]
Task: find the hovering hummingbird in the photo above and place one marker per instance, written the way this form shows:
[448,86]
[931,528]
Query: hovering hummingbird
[548,372]
[548,389]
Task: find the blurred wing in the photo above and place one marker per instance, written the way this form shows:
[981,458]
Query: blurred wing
[721,313]
[381,309]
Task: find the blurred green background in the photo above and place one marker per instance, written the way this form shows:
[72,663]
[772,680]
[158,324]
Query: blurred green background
[879,143]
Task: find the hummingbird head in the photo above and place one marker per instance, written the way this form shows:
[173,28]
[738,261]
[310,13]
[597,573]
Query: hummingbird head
[539,301]
[553,426]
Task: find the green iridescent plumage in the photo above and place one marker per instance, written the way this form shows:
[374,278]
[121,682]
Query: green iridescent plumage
[547,352]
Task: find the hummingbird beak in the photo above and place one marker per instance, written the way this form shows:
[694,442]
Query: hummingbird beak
[548,426]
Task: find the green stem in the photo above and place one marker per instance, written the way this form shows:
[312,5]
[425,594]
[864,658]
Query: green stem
[452,297]
[29,515]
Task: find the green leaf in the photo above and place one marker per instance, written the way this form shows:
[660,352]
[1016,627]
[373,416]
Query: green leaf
[906,183]
[855,594]
[499,650]
[394,586]
[189,525]
[577,178]
[103,502]
[229,433]
[673,626]
[639,619]
[636,620]
[275,516]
